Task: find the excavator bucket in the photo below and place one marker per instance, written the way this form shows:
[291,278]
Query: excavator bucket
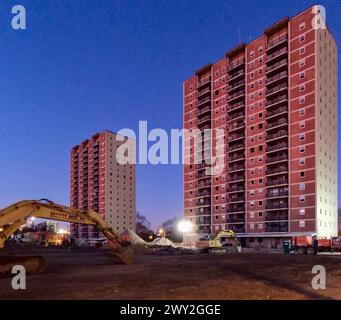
[124,257]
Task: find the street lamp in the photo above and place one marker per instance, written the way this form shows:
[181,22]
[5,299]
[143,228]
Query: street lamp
[185,226]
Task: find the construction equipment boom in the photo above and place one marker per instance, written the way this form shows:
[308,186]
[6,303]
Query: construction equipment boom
[214,241]
[15,215]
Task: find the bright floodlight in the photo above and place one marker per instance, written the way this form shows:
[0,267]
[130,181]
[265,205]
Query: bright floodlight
[185,226]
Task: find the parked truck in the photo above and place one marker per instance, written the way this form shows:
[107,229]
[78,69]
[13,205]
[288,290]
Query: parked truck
[311,244]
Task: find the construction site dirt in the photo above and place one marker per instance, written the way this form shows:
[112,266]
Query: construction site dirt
[88,274]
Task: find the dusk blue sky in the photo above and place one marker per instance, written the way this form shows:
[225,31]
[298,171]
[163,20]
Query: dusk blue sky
[83,66]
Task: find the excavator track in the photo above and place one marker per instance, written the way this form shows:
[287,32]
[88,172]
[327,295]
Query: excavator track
[32,264]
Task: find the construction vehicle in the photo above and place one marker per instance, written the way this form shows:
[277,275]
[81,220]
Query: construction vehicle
[218,242]
[312,245]
[14,216]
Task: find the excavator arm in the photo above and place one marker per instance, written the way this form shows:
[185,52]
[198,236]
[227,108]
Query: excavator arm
[14,216]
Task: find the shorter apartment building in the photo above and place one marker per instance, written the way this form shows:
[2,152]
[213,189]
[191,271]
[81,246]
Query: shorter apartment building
[100,183]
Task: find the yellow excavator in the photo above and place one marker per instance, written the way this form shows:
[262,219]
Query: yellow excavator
[214,242]
[15,215]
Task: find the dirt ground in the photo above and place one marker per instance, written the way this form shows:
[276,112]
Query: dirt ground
[91,275]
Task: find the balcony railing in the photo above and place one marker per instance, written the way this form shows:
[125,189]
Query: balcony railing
[277,41]
[204,119]
[235,106]
[236,115]
[236,147]
[276,182]
[235,85]
[281,193]
[276,54]
[235,188]
[278,76]
[272,227]
[236,95]
[203,91]
[235,136]
[203,101]
[277,123]
[232,209]
[273,112]
[204,81]
[236,199]
[236,64]
[276,65]
[276,100]
[277,146]
[277,135]
[276,89]
[277,205]
[203,203]
[203,110]
[235,75]
[235,220]
[276,158]
[279,169]
[276,215]
[236,157]
[236,168]
[237,125]
[202,193]
[236,178]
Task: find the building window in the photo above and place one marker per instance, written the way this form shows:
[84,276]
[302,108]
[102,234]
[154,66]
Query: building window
[302,174]
[302,223]
[252,225]
[260,225]
[252,204]
[301,112]
[302,149]
[302,63]
[260,49]
[301,136]
[302,124]
[302,186]
[252,54]
[301,88]
[301,75]
[302,199]
[302,100]
[302,212]
[302,26]
[302,51]
[302,161]
[302,38]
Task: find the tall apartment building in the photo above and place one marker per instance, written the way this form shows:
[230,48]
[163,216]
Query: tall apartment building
[276,100]
[100,183]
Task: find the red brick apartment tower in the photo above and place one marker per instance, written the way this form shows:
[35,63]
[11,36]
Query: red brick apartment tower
[99,183]
[276,99]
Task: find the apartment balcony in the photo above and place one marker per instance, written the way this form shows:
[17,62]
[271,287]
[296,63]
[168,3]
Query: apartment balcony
[276,91]
[279,77]
[236,188]
[203,102]
[236,76]
[278,101]
[236,218]
[203,211]
[204,184]
[203,221]
[277,193]
[235,208]
[272,182]
[236,157]
[237,228]
[235,136]
[235,86]
[278,135]
[236,96]
[236,167]
[275,170]
[276,215]
[233,107]
[205,110]
[277,56]
[275,112]
[283,156]
[235,147]
[271,205]
[204,203]
[204,82]
[235,65]
[203,193]
[201,175]
[276,124]
[204,92]
[236,178]
[276,147]
[276,227]
[236,115]
[277,43]
[202,166]
[236,126]
[276,67]
[203,120]
[234,198]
